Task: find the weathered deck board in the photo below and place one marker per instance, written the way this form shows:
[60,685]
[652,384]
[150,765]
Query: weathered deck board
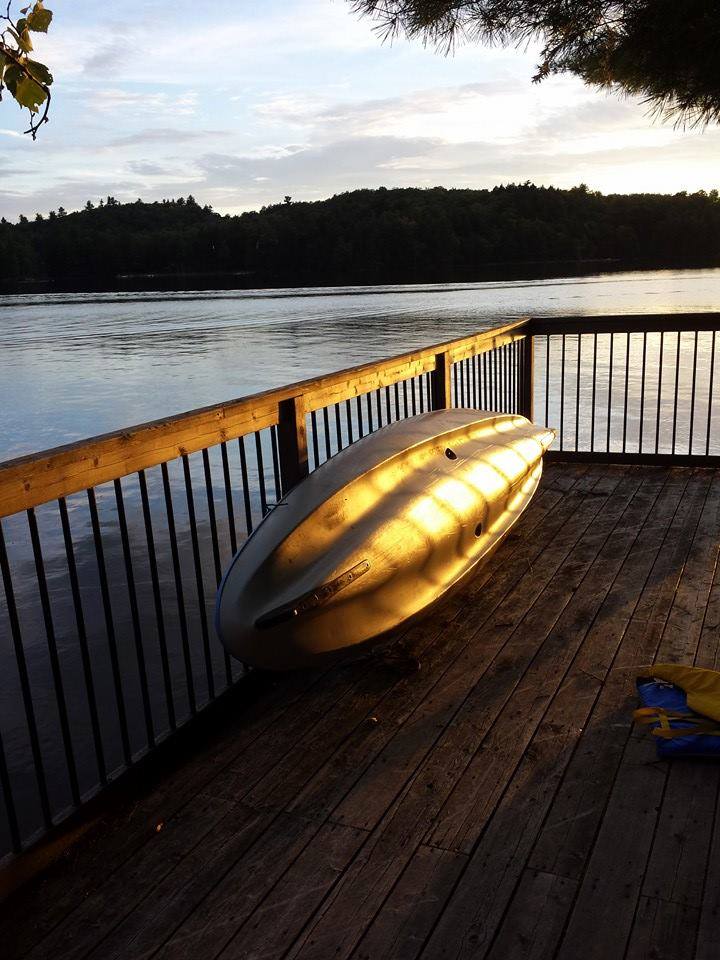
[494,803]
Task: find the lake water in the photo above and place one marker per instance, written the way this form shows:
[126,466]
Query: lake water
[75,365]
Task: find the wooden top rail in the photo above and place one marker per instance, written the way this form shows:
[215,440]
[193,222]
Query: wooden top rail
[32,480]
[627,323]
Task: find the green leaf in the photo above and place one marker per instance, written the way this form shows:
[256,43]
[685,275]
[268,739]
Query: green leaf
[29,94]
[39,18]
[13,75]
[22,38]
[39,71]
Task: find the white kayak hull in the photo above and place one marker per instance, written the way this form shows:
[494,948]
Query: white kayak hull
[378,534]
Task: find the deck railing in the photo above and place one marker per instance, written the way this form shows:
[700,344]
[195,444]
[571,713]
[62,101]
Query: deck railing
[629,387]
[111,549]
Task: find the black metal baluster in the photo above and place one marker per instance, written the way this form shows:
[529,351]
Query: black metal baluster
[642,393]
[675,392]
[315,445]
[245,485]
[547,380]
[361,428]
[388,406]
[10,812]
[397,400]
[215,541]
[659,396]
[179,590]
[710,394]
[54,659]
[228,497]
[513,376]
[692,394]
[405,395]
[577,393]
[368,403]
[157,600]
[134,614]
[594,393]
[109,625]
[610,383]
[627,384]
[508,383]
[199,585]
[275,462]
[562,394]
[326,432]
[21,663]
[264,509]
[338,427]
[378,404]
[82,641]
[417,386]
[348,419]
[501,379]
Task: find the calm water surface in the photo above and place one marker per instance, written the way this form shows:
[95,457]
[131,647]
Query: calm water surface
[75,365]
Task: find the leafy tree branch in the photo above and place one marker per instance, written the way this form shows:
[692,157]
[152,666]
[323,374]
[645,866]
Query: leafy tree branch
[27,80]
[666,52]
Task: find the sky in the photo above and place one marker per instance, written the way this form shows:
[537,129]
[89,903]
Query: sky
[241,103]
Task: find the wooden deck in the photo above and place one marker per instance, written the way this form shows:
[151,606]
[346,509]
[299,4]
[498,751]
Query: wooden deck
[494,803]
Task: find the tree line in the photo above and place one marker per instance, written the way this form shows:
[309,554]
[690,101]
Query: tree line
[364,235]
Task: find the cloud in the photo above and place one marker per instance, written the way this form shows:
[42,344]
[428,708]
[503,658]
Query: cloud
[112,100]
[448,109]
[164,135]
[146,169]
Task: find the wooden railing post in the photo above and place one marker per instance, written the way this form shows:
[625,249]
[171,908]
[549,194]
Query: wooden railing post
[441,388]
[292,442]
[527,377]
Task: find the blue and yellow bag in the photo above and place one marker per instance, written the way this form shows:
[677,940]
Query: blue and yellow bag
[682,704]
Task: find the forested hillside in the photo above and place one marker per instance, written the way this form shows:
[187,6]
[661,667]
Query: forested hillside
[365,235]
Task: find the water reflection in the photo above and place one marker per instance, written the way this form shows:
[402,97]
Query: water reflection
[77,365]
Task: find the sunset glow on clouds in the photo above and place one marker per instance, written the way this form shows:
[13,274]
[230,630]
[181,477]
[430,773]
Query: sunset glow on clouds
[241,103]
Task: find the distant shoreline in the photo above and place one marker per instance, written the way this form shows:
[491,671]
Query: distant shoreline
[248,279]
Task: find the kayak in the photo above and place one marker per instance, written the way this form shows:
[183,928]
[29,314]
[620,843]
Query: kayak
[378,534]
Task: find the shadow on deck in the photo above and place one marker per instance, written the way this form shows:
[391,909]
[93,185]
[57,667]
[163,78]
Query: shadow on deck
[494,803]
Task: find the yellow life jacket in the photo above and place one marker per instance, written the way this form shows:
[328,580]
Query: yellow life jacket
[701,686]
